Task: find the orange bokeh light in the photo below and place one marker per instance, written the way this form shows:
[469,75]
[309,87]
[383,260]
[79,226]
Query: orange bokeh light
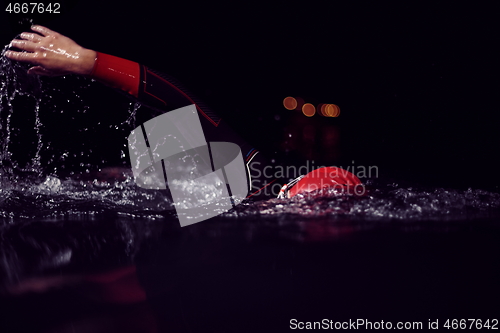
[290,103]
[308,109]
[321,108]
[337,113]
[332,110]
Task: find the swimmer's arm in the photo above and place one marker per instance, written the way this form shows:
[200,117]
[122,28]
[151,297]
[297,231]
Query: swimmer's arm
[52,53]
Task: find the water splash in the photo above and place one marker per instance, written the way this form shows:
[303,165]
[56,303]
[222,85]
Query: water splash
[55,198]
[384,201]
[16,84]
[131,120]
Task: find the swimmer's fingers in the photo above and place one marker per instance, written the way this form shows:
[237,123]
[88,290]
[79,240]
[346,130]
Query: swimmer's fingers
[43,30]
[39,70]
[33,58]
[22,56]
[25,45]
[36,38]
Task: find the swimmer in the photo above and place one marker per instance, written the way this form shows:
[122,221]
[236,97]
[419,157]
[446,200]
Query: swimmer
[53,54]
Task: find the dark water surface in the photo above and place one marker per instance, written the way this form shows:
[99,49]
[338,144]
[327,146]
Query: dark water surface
[83,257]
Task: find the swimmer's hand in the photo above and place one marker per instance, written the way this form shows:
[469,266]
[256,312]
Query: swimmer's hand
[52,53]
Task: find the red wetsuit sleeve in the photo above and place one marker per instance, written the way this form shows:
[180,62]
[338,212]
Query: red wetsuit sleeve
[117,73]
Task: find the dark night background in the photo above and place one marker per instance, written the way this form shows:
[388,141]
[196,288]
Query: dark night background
[417,83]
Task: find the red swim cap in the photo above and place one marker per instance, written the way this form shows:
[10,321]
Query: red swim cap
[330,177]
